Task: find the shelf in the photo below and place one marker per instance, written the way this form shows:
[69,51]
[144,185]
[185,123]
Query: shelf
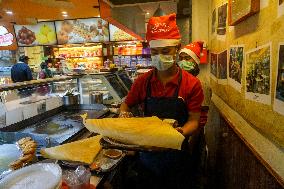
[80,57]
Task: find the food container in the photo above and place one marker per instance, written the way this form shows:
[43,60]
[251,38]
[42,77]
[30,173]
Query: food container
[77,179]
[96,98]
[71,99]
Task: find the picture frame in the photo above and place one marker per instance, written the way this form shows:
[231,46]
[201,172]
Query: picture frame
[242,9]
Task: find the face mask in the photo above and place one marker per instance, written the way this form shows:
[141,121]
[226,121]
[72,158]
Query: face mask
[186,65]
[190,67]
[162,62]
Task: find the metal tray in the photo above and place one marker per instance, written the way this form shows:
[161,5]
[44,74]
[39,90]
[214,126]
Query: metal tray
[107,142]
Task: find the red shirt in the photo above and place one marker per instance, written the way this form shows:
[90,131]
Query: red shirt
[190,90]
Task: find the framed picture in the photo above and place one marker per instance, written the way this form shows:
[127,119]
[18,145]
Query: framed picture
[279,95]
[222,20]
[241,10]
[222,68]
[236,61]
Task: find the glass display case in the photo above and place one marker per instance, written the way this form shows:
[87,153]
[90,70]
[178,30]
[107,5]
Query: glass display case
[108,84]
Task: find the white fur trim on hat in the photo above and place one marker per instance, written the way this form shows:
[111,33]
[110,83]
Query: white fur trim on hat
[190,53]
[164,42]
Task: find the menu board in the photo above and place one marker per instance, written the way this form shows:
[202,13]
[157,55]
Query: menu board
[42,33]
[117,34]
[82,31]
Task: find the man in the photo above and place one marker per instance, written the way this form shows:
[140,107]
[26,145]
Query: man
[189,57]
[21,71]
[166,92]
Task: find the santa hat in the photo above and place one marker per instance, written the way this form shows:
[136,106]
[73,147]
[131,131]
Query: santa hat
[163,31]
[194,50]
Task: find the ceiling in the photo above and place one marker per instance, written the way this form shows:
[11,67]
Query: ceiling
[29,11]
[123,2]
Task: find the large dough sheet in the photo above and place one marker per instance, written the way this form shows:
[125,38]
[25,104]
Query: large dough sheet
[148,131]
[82,150]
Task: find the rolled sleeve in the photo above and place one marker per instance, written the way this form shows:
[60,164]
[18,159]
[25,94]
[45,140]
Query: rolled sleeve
[134,96]
[196,98]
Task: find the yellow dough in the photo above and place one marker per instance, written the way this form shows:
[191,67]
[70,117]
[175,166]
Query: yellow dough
[82,150]
[148,131]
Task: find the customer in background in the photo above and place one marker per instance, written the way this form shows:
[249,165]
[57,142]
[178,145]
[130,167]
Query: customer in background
[45,71]
[189,57]
[21,71]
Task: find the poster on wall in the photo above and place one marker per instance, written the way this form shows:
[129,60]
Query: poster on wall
[213,26]
[279,95]
[222,68]
[236,60]
[280,7]
[117,34]
[43,33]
[213,66]
[222,20]
[82,31]
[258,74]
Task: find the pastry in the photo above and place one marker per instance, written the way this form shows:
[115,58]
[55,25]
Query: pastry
[24,140]
[148,131]
[29,151]
[26,158]
[82,150]
[16,164]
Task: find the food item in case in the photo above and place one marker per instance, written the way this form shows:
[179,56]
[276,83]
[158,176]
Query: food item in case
[113,153]
[83,150]
[26,36]
[148,131]
[28,147]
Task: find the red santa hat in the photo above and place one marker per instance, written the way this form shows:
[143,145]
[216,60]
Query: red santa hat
[194,50]
[163,31]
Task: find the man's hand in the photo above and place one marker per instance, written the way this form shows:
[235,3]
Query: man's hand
[123,114]
[179,129]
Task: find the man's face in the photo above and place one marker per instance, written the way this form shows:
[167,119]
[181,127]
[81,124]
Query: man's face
[164,50]
[184,56]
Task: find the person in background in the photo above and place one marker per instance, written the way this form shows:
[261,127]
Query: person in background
[45,71]
[166,92]
[189,57]
[21,71]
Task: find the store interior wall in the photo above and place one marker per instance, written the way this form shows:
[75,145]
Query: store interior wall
[259,29]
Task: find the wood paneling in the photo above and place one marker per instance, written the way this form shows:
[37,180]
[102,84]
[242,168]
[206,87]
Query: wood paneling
[231,163]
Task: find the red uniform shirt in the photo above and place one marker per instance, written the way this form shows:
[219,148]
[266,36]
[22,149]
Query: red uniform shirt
[190,90]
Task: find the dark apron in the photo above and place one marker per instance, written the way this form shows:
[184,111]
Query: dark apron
[170,167]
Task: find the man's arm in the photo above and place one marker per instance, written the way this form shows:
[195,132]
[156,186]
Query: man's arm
[191,125]
[29,74]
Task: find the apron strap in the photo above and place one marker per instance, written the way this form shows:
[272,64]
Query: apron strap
[179,82]
[148,92]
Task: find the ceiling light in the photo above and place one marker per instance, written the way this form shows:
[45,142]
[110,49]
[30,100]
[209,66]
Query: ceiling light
[9,12]
[64,12]
[147,13]
[65,15]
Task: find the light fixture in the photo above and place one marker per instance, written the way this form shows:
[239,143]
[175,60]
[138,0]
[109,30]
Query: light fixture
[9,12]
[64,12]
[147,13]
[65,15]
[159,12]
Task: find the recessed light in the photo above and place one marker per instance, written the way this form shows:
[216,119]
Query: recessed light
[147,13]
[64,12]
[9,12]
[65,15]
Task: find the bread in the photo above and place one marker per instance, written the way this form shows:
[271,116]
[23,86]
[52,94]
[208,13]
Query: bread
[82,150]
[148,131]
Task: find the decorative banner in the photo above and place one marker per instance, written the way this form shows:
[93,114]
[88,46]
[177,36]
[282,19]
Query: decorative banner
[6,38]
[236,66]
[222,68]
[117,34]
[82,31]
[222,20]
[213,26]
[258,74]
[42,33]
[213,66]
[280,7]
[279,96]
